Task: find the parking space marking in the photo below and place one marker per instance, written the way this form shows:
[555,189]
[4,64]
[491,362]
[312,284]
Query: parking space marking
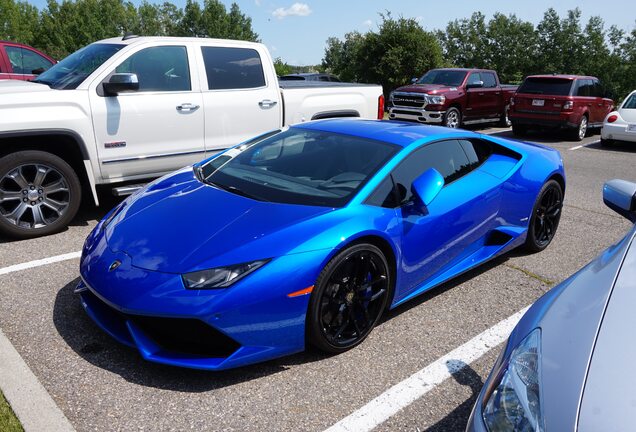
[584,145]
[417,385]
[576,147]
[29,400]
[40,262]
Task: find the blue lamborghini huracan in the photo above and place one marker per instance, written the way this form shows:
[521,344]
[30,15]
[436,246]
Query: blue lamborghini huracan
[306,235]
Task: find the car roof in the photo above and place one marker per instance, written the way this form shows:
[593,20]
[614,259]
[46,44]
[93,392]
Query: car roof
[391,131]
[134,40]
[561,76]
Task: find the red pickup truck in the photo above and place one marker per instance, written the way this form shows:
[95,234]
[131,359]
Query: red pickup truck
[453,97]
[22,62]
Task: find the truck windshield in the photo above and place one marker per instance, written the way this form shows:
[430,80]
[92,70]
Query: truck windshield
[448,78]
[70,72]
[298,166]
[547,86]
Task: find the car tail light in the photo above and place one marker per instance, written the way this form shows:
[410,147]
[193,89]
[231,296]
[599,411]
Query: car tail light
[568,105]
[612,118]
[381,107]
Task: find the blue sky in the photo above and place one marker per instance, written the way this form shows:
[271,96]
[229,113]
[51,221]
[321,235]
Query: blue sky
[297,31]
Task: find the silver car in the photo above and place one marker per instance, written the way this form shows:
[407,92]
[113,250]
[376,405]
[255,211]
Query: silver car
[569,365]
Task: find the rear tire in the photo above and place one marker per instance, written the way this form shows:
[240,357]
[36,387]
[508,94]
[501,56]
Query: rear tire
[579,132]
[504,121]
[349,297]
[519,130]
[546,214]
[39,194]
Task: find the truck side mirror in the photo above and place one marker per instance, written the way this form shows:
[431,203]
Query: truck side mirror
[121,83]
[426,187]
[620,196]
[478,84]
[413,80]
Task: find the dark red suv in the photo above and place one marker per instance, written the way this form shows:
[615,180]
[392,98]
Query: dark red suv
[22,62]
[572,102]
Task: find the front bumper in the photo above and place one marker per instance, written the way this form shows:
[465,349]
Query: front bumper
[416,114]
[617,132]
[252,321]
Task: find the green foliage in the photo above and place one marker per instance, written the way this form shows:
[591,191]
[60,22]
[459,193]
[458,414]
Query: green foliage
[62,28]
[398,51]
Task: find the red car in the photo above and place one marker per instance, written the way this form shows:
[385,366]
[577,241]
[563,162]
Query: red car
[22,62]
[572,102]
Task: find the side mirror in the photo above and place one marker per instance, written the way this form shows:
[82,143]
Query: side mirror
[620,196]
[414,80]
[121,83]
[478,84]
[426,187]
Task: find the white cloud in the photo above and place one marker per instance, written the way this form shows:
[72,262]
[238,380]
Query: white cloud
[258,2]
[297,9]
[368,23]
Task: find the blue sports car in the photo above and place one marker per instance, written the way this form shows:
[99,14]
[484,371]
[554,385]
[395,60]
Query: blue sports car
[306,235]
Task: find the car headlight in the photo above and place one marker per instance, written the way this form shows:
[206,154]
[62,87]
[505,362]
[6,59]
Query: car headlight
[435,99]
[515,405]
[220,277]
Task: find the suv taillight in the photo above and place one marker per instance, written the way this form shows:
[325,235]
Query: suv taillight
[381,107]
[568,105]
[612,118]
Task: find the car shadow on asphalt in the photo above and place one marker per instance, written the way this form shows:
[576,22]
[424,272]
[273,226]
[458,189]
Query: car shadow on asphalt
[89,342]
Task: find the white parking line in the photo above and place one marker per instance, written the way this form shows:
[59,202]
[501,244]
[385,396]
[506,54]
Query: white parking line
[40,262]
[576,147]
[417,385]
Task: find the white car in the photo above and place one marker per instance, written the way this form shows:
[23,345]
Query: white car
[620,125]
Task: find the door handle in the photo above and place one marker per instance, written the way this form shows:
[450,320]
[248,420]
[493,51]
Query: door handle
[267,104]
[186,107]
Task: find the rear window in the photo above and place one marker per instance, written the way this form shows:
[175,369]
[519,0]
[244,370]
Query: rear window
[233,68]
[547,86]
[630,103]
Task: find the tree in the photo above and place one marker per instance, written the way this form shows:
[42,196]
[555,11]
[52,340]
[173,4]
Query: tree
[465,42]
[281,67]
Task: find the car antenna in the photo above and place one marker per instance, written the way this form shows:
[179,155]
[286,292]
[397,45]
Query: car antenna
[128,35]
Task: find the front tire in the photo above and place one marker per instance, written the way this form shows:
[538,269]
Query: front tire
[545,218]
[349,297]
[39,194]
[452,118]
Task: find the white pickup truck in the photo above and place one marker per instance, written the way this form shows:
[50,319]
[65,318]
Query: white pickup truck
[129,109]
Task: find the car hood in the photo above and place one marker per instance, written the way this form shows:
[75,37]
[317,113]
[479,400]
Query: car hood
[179,224]
[609,400]
[426,88]
[16,86]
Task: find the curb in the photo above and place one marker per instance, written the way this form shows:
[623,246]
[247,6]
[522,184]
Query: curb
[29,400]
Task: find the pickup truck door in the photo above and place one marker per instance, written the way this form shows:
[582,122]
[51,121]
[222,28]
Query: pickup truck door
[158,128]
[492,99]
[240,95]
[475,98]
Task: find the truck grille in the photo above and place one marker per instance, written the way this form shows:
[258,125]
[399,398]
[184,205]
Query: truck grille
[410,100]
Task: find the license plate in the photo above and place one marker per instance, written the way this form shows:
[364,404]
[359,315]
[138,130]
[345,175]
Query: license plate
[538,102]
[631,128]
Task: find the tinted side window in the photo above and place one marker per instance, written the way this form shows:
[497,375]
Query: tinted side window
[474,78]
[584,87]
[477,151]
[597,89]
[447,157]
[163,68]
[233,68]
[25,61]
[489,79]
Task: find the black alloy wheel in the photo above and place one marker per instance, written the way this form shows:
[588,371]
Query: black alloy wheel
[348,299]
[545,218]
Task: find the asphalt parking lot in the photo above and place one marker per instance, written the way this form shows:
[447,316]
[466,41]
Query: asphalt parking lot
[103,386]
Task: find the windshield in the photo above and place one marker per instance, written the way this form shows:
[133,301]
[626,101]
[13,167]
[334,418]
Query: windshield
[630,103]
[298,166]
[70,72]
[450,78]
[548,86]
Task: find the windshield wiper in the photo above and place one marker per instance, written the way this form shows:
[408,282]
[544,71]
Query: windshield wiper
[234,190]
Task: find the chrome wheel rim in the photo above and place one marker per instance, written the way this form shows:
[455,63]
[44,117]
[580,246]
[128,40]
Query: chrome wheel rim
[507,121]
[547,216]
[452,119]
[583,128]
[353,298]
[33,196]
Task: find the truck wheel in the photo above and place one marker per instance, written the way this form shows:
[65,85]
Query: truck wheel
[519,130]
[39,194]
[452,118]
[505,121]
[579,132]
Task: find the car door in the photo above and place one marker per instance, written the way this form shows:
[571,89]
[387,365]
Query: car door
[475,106]
[239,98]
[451,226]
[24,62]
[158,128]
[492,105]
[602,104]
